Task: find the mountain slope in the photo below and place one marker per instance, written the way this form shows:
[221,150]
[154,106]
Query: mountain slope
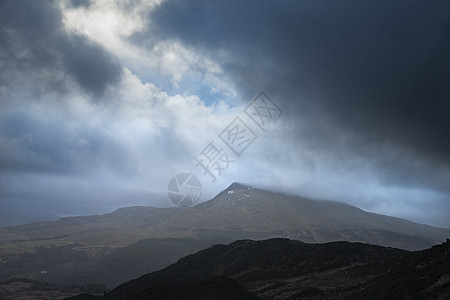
[239,209]
[286,269]
[73,249]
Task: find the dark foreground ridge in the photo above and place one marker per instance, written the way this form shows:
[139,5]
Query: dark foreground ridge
[287,269]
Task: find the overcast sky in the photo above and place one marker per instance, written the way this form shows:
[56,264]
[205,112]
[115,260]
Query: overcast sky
[103,102]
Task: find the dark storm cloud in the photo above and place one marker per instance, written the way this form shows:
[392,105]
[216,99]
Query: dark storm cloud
[51,145]
[32,38]
[92,66]
[378,70]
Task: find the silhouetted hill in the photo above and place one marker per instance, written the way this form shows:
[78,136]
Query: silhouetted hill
[220,287]
[286,269]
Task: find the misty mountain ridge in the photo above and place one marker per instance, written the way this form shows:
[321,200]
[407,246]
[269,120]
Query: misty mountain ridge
[113,248]
[239,211]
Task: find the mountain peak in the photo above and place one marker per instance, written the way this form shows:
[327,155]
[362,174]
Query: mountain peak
[238,186]
[235,186]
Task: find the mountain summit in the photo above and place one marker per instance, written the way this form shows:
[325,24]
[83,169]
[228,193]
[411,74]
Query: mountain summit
[238,186]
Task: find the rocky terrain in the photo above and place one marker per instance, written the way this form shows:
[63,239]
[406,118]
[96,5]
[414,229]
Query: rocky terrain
[287,269]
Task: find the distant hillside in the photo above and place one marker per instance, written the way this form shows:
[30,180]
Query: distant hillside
[286,269]
[12,218]
[237,212]
[81,249]
[132,261]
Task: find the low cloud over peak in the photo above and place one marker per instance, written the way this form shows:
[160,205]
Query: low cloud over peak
[117,99]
